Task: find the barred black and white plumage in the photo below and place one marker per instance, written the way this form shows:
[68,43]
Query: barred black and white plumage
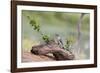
[58,40]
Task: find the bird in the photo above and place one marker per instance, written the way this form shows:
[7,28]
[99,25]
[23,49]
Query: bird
[58,40]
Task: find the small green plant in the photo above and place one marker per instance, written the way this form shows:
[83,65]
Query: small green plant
[69,42]
[36,27]
[46,38]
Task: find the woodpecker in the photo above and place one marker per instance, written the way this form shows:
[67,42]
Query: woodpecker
[58,40]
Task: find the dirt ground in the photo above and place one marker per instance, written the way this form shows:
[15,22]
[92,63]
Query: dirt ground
[29,57]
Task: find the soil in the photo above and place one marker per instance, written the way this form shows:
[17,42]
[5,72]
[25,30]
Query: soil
[29,57]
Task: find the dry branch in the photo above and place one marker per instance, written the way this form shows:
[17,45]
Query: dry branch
[52,47]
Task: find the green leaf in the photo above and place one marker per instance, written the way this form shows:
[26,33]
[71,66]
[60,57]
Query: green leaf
[45,38]
[32,22]
[28,17]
